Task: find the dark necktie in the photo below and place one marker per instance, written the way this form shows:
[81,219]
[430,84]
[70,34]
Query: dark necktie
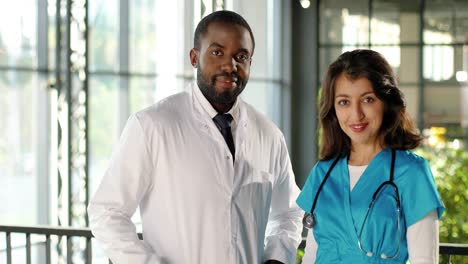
[223,121]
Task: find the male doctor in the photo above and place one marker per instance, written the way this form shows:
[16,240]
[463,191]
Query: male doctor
[211,175]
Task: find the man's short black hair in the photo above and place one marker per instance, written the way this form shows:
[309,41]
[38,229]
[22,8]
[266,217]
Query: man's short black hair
[222,16]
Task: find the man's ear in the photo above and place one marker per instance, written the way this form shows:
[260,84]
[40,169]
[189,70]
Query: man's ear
[194,57]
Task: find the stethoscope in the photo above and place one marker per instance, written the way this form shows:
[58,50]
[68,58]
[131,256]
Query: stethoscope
[310,221]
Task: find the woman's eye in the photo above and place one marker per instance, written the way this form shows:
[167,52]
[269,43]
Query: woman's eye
[369,100]
[343,102]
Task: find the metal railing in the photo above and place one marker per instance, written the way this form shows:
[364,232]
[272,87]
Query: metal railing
[445,249]
[47,231]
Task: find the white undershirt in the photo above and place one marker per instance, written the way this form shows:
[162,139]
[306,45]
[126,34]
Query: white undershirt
[355,173]
[422,236]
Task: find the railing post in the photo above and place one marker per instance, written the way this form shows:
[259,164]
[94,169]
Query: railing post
[47,248]
[8,246]
[28,248]
[69,250]
[89,251]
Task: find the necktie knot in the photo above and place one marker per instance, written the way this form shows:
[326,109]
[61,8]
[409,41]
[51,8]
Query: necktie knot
[223,120]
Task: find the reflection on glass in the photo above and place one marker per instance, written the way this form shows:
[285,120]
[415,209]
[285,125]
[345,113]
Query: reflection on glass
[17,152]
[142,93]
[446,17]
[438,62]
[355,30]
[344,22]
[103,125]
[260,94]
[18,30]
[142,36]
[103,35]
[438,20]
[168,45]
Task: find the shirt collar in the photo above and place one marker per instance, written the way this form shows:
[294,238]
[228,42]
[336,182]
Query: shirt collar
[234,111]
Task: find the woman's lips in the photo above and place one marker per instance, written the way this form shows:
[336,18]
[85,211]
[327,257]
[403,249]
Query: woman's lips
[358,127]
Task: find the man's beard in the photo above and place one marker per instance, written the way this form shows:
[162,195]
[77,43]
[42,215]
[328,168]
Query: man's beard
[208,88]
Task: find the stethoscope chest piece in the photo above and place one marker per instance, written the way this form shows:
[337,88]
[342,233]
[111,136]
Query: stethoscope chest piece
[309,221]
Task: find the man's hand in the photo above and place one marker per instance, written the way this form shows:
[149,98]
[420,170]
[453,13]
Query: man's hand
[272,261]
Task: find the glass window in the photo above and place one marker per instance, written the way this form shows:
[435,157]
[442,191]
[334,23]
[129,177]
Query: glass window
[439,28]
[18,34]
[18,147]
[385,23]
[103,35]
[327,56]
[438,62]
[143,92]
[438,22]
[443,95]
[344,22]
[260,95]
[103,125]
[142,35]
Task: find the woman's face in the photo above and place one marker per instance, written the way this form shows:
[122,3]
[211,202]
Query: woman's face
[358,110]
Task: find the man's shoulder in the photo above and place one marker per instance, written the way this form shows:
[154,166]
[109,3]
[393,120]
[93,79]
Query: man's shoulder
[166,110]
[167,106]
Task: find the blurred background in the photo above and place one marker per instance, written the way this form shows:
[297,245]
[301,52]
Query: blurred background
[71,73]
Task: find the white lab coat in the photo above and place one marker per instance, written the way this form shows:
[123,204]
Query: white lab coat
[195,205]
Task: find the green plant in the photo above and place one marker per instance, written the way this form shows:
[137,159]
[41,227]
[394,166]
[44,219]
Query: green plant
[450,169]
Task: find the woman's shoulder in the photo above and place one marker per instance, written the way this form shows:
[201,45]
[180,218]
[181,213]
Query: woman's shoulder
[411,164]
[408,157]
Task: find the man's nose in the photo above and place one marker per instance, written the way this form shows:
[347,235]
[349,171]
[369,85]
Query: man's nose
[229,65]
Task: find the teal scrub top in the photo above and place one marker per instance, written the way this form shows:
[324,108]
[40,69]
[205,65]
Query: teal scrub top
[340,213]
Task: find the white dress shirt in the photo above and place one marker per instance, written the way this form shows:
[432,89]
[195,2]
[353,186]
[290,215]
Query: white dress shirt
[422,236]
[196,205]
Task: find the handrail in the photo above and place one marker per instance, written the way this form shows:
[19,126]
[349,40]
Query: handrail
[47,230]
[50,230]
[453,249]
[449,249]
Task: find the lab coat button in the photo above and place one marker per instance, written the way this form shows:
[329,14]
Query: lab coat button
[369,254]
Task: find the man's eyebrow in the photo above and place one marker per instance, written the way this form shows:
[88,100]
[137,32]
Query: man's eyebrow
[215,44]
[243,50]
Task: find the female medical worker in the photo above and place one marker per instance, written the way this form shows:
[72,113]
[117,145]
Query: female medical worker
[369,199]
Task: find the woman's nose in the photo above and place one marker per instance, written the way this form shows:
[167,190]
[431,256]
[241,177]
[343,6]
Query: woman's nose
[358,112]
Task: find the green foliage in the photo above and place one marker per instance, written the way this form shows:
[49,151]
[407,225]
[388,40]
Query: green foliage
[450,169]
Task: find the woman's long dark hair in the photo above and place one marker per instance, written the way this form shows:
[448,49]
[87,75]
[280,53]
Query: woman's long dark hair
[398,129]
